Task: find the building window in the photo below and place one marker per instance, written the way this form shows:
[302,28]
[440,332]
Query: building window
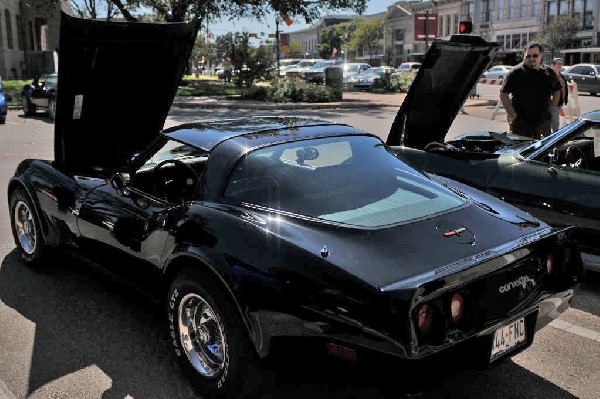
[500,39]
[563,7]
[578,9]
[552,11]
[20,33]
[9,37]
[488,6]
[516,42]
[588,17]
[399,35]
[469,10]
[512,9]
[501,12]
[448,24]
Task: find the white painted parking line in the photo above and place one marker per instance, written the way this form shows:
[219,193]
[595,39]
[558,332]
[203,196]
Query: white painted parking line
[5,393]
[575,329]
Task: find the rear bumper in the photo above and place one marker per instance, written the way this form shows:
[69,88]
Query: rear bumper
[551,307]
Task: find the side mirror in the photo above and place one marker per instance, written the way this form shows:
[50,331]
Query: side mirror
[120,181]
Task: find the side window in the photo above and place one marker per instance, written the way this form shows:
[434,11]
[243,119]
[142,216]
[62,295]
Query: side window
[576,70]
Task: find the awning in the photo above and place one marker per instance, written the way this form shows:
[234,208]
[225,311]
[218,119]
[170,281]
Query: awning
[581,50]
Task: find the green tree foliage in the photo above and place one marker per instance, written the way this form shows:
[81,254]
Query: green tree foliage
[182,10]
[249,63]
[335,36]
[560,33]
[367,35]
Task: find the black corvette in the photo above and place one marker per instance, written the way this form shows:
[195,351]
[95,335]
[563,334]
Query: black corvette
[40,94]
[264,229]
[556,179]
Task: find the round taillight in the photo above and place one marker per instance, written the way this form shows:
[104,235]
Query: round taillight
[457,307]
[550,264]
[425,319]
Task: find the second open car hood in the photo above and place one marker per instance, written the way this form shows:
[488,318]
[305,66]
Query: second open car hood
[449,71]
[116,83]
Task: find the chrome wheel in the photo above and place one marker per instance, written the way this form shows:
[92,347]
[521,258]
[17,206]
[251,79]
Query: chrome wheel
[25,227]
[202,335]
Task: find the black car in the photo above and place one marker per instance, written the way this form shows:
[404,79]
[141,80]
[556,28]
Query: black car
[556,179]
[40,94]
[279,230]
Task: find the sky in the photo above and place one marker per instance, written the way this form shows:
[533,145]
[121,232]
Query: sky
[268,25]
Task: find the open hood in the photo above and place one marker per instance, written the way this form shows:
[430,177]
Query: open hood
[116,83]
[449,71]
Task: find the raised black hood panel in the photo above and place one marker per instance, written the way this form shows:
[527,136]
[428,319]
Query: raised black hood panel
[116,83]
[450,70]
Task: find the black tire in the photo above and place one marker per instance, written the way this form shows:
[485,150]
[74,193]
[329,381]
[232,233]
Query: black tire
[27,106]
[593,93]
[52,108]
[221,341]
[26,229]
[2,119]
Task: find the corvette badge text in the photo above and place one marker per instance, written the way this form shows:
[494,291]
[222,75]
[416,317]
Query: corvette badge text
[520,282]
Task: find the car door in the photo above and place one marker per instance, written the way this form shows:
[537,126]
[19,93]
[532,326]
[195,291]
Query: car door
[561,193]
[585,77]
[134,218]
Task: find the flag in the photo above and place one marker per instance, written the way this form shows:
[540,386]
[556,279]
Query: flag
[334,52]
[287,19]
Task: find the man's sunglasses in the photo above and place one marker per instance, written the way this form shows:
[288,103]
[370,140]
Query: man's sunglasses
[532,55]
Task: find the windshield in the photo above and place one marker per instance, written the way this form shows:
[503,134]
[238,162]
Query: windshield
[303,64]
[321,64]
[52,79]
[353,180]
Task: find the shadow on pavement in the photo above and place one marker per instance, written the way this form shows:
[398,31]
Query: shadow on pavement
[586,296]
[85,317]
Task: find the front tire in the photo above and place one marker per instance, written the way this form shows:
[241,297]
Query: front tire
[52,108]
[209,337]
[26,227]
[28,107]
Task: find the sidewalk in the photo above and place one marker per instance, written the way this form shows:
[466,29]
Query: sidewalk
[349,100]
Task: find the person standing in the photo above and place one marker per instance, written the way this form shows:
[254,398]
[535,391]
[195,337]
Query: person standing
[557,63]
[529,93]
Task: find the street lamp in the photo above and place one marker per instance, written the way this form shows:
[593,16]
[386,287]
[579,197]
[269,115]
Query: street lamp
[277,44]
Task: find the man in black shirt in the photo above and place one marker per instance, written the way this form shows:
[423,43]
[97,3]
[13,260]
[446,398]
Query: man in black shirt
[534,90]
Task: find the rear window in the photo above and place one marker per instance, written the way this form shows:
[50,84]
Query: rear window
[352,180]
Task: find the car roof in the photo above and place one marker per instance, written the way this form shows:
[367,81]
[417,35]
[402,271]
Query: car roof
[262,130]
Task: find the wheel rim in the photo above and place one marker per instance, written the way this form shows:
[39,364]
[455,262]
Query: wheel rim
[25,227]
[52,109]
[25,105]
[201,334]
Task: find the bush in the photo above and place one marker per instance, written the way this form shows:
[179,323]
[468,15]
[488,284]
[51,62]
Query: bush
[14,87]
[393,83]
[296,90]
[256,93]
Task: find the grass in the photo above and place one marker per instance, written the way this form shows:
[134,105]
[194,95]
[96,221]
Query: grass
[206,87]
[14,87]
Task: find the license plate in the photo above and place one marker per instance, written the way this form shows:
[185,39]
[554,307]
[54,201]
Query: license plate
[508,337]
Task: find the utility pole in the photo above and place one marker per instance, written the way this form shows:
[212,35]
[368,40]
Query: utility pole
[277,43]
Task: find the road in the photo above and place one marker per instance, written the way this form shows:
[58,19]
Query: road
[70,330]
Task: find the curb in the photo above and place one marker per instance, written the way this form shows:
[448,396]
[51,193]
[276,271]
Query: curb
[278,106]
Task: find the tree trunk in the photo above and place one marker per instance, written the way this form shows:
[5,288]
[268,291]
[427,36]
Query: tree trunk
[124,11]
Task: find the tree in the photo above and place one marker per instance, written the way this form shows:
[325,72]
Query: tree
[367,36]
[182,10]
[559,33]
[335,36]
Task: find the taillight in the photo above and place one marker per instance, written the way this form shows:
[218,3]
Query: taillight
[550,264]
[457,307]
[425,319]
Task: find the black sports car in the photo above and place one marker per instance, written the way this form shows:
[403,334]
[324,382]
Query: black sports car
[40,94]
[266,230]
[556,179]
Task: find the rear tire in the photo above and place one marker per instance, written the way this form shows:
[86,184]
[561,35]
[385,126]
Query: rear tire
[209,338]
[26,227]
[593,94]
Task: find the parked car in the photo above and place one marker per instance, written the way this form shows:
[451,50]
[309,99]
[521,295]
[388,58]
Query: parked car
[297,71]
[352,68]
[412,67]
[366,79]
[316,73]
[233,219]
[40,94]
[587,77]
[556,179]
[497,72]
[4,100]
